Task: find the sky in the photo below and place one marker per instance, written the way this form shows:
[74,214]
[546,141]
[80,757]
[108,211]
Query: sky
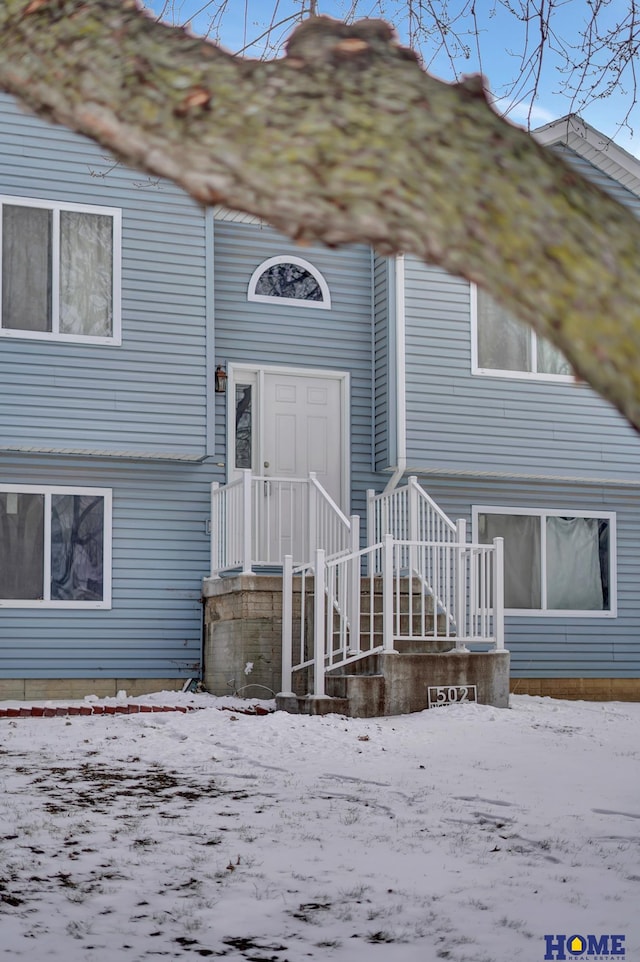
[465,833]
[496,49]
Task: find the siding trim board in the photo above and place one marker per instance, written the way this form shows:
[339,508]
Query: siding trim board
[124,454]
[372,357]
[209,239]
[417,468]
[401,366]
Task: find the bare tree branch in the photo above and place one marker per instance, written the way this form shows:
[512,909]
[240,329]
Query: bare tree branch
[347,139]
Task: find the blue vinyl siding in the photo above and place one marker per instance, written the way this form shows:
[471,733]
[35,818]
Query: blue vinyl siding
[339,339]
[523,443]
[71,405]
[564,647]
[148,396]
[459,422]
[160,554]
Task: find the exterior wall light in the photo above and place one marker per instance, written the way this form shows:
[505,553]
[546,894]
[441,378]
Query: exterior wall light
[221,380]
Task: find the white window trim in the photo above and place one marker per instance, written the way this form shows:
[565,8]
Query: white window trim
[54,335]
[324,304]
[609,516]
[498,372]
[47,602]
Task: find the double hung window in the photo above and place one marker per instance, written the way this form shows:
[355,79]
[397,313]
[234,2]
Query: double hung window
[555,561]
[55,547]
[60,272]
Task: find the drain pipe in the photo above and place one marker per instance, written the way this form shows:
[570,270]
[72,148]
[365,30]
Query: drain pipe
[400,375]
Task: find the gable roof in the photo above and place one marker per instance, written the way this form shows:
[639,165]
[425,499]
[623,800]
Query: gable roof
[575,133]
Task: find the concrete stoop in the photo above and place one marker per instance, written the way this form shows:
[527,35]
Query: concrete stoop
[242,654]
[397,683]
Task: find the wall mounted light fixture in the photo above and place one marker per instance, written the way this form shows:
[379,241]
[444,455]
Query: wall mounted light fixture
[221,379]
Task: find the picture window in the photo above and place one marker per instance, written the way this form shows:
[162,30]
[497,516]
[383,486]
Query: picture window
[554,561]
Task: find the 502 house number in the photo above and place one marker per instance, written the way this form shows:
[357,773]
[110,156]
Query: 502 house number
[440,695]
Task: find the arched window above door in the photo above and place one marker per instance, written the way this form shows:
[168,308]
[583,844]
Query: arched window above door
[291,280]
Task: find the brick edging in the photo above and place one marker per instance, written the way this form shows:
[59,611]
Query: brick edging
[85,710]
[62,711]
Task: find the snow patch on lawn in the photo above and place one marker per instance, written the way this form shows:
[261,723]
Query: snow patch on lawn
[464,833]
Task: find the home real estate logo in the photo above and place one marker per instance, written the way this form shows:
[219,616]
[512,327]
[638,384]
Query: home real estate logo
[591,948]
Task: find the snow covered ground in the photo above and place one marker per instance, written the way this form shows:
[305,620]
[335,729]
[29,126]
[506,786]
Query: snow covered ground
[462,833]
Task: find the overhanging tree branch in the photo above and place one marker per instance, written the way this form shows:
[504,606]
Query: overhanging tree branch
[346,139]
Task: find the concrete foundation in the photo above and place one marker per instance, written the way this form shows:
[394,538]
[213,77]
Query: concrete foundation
[243,635]
[579,689]
[52,689]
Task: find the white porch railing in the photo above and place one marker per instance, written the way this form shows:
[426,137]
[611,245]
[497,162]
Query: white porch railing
[409,514]
[413,518]
[423,582]
[258,520]
[341,617]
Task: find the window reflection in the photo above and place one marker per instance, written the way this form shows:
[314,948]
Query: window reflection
[243,425]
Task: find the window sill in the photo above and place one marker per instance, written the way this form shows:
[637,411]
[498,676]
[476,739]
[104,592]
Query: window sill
[556,613]
[115,341]
[525,376]
[52,605]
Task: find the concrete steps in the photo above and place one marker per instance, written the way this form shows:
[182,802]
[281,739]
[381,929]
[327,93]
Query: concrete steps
[397,683]
[364,693]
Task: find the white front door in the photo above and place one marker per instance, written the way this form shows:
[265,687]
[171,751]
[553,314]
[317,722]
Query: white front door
[286,425]
[303,430]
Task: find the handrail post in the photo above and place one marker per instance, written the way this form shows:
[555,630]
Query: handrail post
[247,521]
[412,526]
[214,535]
[287,625]
[313,514]
[498,590]
[387,593]
[354,586]
[371,527]
[412,521]
[319,624]
[461,582]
